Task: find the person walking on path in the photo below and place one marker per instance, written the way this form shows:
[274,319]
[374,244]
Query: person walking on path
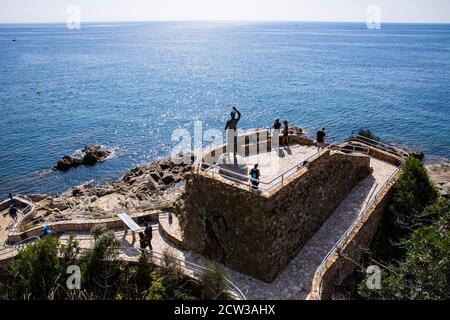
[148,235]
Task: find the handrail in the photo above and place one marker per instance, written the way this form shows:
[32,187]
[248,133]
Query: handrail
[187,265]
[343,239]
[378,144]
[18,245]
[194,268]
[282,177]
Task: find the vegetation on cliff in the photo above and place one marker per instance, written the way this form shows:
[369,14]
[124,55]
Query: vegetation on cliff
[40,272]
[413,245]
[367,133]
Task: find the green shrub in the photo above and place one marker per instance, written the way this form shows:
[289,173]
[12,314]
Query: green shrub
[157,290]
[100,269]
[413,192]
[424,273]
[213,283]
[368,134]
[38,270]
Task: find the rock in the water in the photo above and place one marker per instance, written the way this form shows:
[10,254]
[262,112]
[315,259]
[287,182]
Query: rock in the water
[91,155]
[90,159]
[94,153]
[67,162]
[165,164]
[440,176]
[77,192]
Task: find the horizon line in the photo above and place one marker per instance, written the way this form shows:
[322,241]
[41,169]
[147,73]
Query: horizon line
[221,20]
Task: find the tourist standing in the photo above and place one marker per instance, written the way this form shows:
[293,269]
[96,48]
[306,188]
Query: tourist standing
[277,124]
[149,235]
[12,201]
[320,141]
[142,241]
[13,212]
[254,177]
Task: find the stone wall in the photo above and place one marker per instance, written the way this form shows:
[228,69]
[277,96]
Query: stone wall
[381,154]
[258,235]
[79,225]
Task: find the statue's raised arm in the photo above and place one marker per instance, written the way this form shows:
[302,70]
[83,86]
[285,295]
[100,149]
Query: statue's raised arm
[238,113]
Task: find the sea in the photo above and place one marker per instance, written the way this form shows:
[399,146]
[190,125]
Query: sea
[130,86]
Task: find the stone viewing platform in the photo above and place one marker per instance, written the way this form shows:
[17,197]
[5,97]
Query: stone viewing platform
[258,233]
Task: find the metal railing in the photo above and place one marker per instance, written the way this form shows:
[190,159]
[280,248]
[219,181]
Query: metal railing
[344,238]
[197,271]
[280,179]
[186,267]
[380,145]
[18,245]
[351,148]
[14,224]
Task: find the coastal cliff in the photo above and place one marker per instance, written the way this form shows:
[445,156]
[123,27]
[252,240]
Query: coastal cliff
[148,187]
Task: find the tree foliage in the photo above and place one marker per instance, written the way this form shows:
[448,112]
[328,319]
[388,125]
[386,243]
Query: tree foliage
[39,272]
[368,134]
[39,269]
[413,192]
[424,270]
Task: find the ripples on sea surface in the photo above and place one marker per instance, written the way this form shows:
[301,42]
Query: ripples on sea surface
[128,85]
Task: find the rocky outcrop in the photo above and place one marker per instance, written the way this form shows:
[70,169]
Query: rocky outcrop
[144,188]
[440,176]
[91,155]
[66,163]
[94,153]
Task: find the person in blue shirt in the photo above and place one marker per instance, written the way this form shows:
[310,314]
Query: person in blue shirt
[46,231]
[12,202]
[254,177]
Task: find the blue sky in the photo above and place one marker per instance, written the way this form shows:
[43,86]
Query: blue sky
[299,10]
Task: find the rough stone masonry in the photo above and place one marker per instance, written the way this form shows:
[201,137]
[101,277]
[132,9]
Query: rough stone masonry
[258,235]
